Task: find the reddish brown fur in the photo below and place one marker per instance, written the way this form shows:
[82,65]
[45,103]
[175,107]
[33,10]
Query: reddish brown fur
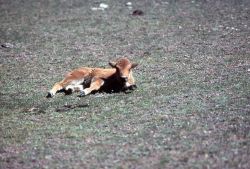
[118,77]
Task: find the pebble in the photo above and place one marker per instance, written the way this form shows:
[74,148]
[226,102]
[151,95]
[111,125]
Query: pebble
[129,3]
[101,7]
[7,45]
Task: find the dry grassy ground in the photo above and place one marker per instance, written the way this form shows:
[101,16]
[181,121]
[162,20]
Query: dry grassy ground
[191,107]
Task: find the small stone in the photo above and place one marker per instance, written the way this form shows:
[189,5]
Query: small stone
[129,3]
[7,45]
[103,5]
[95,9]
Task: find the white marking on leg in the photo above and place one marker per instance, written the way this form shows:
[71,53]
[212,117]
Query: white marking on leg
[71,87]
[78,88]
[75,85]
[127,84]
[52,93]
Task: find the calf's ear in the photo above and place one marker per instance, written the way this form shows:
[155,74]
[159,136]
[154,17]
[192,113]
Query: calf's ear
[112,64]
[134,65]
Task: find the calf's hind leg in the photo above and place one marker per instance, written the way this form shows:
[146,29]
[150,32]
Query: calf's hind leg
[57,87]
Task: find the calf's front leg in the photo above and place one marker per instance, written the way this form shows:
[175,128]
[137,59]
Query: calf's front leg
[95,85]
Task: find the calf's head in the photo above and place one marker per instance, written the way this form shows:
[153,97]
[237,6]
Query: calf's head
[123,70]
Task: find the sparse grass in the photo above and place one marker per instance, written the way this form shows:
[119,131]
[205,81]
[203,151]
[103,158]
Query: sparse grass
[191,107]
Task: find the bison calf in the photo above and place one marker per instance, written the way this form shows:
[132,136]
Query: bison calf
[87,80]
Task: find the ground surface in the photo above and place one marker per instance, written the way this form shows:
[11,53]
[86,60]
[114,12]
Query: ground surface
[191,108]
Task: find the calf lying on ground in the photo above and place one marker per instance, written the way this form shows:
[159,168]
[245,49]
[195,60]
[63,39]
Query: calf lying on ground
[87,80]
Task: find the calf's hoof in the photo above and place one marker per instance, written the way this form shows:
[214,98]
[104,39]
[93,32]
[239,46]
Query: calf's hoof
[82,94]
[49,95]
[132,87]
